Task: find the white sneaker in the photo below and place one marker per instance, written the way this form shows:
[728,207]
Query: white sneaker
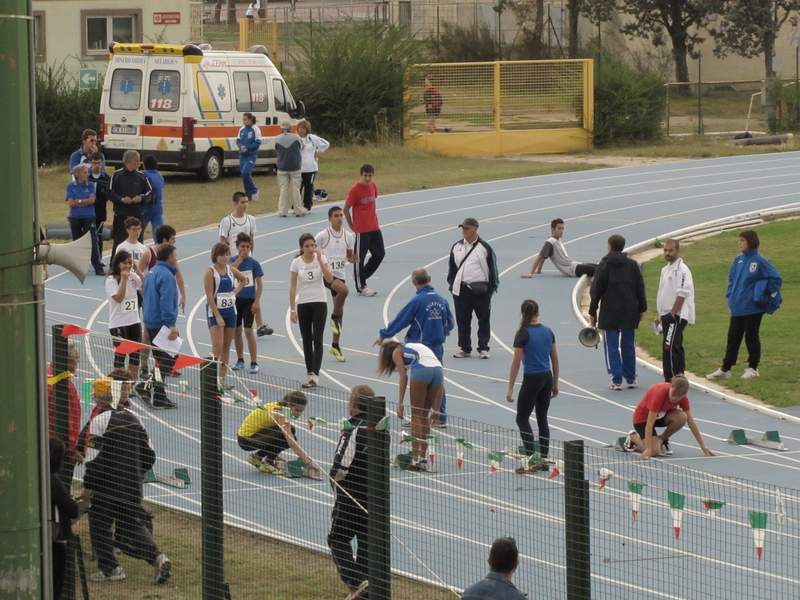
[749,373]
[118,574]
[161,568]
[309,382]
[254,198]
[720,374]
[365,291]
[484,354]
[629,446]
[462,354]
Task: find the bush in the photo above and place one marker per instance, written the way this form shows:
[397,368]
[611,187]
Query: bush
[629,106]
[62,113]
[465,44]
[351,76]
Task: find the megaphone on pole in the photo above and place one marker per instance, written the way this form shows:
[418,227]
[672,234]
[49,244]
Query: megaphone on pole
[589,336]
[74,257]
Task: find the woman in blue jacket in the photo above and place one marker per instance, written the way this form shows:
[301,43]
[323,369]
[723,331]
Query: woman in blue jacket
[248,142]
[753,289]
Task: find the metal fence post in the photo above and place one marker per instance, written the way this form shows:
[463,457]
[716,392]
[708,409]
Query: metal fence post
[214,586]
[576,526]
[379,559]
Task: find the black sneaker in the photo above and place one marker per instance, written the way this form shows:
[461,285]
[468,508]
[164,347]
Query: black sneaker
[142,391]
[264,330]
[164,404]
[665,449]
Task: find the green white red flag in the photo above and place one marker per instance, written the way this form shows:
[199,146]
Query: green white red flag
[758,522]
[676,503]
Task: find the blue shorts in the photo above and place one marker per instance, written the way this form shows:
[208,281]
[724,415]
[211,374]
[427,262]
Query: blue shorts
[228,318]
[429,375]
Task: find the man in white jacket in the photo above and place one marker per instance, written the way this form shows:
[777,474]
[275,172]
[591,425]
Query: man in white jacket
[675,307]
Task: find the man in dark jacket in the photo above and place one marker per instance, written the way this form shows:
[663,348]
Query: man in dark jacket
[618,288]
[289,166]
[118,454]
[349,480]
[129,191]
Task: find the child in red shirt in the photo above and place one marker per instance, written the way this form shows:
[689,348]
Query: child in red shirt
[363,221]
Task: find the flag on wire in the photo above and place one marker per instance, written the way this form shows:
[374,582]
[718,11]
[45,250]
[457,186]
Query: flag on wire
[406,437]
[605,475]
[346,425]
[635,493]
[676,502]
[461,445]
[557,468]
[495,458]
[432,441]
[314,421]
[758,522]
[713,507]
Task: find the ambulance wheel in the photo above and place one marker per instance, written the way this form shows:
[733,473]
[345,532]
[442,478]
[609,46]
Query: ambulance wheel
[212,166]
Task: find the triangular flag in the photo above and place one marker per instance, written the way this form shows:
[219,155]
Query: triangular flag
[758,521]
[254,393]
[314,421]
[346,425]
[495,459]
[382,425]
[184,360]
[406,437]
[128,347]
[676,502]
[432,441]
[461,445]
[713,506]
[556,469]
[288,415]
[605,475]
[69,330]
[635,494]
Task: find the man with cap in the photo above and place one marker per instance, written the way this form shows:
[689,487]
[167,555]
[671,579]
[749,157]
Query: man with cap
[118,454]
[288,146]
[473,278]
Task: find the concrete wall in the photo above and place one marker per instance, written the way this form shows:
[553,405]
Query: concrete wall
[65,29]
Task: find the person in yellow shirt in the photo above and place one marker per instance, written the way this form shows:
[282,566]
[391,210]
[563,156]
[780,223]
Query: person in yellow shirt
[267,431]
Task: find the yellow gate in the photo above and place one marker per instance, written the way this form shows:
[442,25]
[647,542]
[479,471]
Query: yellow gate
[259,32]
[502,107]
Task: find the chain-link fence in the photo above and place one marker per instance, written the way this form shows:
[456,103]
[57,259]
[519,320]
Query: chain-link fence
[253,487]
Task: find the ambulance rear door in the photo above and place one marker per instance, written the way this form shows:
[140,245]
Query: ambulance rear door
[124,113]
[164,105]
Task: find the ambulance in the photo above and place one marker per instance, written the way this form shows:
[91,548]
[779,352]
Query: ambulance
[184,104]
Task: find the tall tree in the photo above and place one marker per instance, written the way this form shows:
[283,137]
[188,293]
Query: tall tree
[750,27]
[681,20]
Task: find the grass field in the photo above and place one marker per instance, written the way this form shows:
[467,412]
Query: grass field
[255,567]
[709,260]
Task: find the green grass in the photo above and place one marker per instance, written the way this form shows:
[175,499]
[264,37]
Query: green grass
[710,260]
[255,567]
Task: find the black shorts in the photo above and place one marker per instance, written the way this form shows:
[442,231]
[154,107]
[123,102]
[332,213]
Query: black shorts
[244,314]
[433,111]
[639,427]
[328,285]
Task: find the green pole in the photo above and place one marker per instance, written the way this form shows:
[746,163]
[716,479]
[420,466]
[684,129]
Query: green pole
[378,523]
[576,523]
[214,587]
[24,568]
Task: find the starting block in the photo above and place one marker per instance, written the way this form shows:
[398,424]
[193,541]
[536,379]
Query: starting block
[619,443]
[297,468]
[179,479]
[770,439]
[400,461]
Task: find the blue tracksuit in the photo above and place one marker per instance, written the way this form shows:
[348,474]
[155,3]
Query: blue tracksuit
[249,138]
[747,269]
[160,307]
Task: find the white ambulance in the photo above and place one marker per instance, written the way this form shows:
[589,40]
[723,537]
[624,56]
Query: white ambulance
[184,104]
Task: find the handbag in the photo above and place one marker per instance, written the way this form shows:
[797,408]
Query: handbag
[479,288]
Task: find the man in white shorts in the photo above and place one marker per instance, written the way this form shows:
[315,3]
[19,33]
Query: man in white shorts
[237,222]
[554,250]
[337,244]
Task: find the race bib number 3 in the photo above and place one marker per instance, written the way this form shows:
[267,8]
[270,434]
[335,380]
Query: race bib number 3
[226,300]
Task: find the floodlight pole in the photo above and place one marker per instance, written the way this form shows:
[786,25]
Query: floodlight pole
[24,503]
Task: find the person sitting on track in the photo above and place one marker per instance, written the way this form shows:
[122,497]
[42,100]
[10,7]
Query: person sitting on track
[268,432]
[427,378]
[664,405]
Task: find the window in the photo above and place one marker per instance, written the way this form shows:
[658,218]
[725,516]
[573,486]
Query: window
[283,101]
[126,89]
[251,92]
[100,27]
[165,91]
[39,36]
[213,92]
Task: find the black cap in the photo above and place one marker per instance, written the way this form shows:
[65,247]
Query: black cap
[469,222]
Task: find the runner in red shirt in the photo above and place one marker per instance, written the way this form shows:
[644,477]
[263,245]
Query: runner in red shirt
[362,218]
[664,405]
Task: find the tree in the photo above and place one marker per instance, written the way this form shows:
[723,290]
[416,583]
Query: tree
[529,15]
[231,12]
[749,28]
[650,19]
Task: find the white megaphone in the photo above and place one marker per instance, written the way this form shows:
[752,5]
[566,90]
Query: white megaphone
[74,257]
[588,336]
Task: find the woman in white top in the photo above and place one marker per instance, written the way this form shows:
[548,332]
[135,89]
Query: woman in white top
[312,145]
[418,363]
[308,302]
[123,286]
[222,282]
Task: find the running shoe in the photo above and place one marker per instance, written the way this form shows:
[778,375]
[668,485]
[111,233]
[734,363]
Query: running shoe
[117,574]
[337,352]
[749,373]
[439,424]
[631,385]
[309,382]
[336,326]
[365,291]
[615,386]
[719,374]
[462,354]
[264,330]
[254,368]
[665,449]
[239,365]
[484,354]
[629,446]
[359,593]
[161,568]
